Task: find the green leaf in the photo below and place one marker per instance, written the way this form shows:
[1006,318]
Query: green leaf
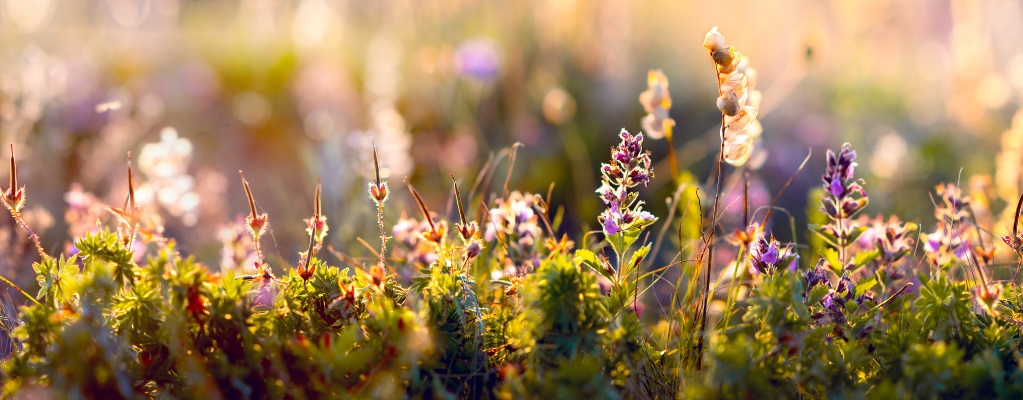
[589,259]
[864,257]
[817,294]
[831,255]
[855,234]
[636,259]
[865,284]
[621,241]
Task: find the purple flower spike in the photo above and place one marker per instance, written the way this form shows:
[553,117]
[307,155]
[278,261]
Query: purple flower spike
[629,167]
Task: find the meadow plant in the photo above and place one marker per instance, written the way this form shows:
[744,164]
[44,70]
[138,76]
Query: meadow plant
[512,304]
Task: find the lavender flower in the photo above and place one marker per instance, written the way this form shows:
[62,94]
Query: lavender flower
[629,167]
[767,254]
[950,240]
[845,198]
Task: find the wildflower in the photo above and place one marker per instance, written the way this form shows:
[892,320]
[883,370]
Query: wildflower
[514,221]
[989,296]
[629,167]
[1015,240]
[656,100]
[891,238]
[164,164]
[469,231]
[737,100]
[478,59]
[410,233]
[767,254]
[845,198]
[950,241]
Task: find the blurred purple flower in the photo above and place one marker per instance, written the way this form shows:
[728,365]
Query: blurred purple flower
[478,58]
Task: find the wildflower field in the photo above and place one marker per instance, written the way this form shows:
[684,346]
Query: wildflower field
[543,200]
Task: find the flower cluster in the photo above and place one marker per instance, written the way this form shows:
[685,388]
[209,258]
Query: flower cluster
[737,99]
[844,199]
[892,238]
[515,219]
[168,184]
[629,167]
[237,249]
[767,254]
[411,233]
[833,302]
[950,237]
[656,101]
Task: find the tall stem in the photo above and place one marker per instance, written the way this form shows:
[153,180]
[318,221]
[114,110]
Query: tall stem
[712,231]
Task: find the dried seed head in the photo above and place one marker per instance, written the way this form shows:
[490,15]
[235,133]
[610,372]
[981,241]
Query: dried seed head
[255,222]
[728,103]
[14,196]
[714,40]
[738,150]
[723,56]
[377,189]
[435,234]
[735,65]
[473,248]
[742,119]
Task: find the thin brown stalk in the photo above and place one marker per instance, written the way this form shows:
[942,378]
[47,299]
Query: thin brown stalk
[1015,220]
[458,200]
[380,208]
[785,186]
[711,240]
[14,208]
[422,207]
[511,166]
[255,217]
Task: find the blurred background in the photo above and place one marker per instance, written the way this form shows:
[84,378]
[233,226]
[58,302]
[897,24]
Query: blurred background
[292,90]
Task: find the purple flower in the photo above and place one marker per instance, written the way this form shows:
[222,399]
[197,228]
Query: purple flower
[478,59]
[771,255]
[629,167]
[836,188]
[610,228]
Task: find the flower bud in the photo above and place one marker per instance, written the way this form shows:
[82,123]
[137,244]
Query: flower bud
[378,192]
[714,40]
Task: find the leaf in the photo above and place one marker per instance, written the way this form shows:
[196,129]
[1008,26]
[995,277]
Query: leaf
[831,255]
[855,234]
[864,257]
[636,259]
[589,259]
[817,294]
[621,241]
[865,284]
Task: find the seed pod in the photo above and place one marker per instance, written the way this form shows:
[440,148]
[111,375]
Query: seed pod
[723,56]
[728,103]
[714,40]
[738,150]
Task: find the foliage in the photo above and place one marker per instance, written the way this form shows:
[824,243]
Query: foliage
[512,310]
